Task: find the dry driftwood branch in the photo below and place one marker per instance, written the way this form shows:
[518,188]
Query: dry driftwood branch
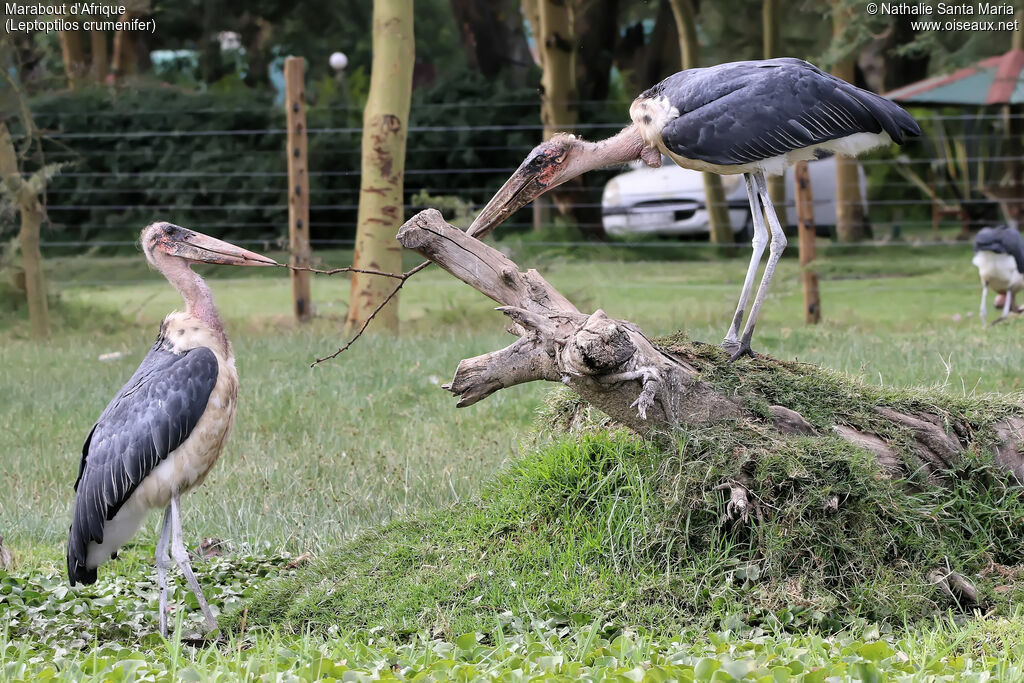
[602,359]
[612,365]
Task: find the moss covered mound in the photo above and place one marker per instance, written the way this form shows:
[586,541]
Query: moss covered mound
[600,524]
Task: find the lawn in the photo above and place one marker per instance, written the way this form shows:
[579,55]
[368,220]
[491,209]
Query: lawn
[321,454]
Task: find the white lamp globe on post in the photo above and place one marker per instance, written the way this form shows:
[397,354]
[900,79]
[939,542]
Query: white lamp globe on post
[338,62]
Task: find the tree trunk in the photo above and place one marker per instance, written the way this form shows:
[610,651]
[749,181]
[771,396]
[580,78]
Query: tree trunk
[770,39]
[385,127]
[73,55]
[850,223]
[28,236]
[653,387]
[558,109]
[541,207]
[124,51]
[211,65]
[808,242]
[100,64]
[558,82]
[596,27]
[32,263]
[714,193]
[596,31]
[642,61]
[124,59]
[493,38]
[256,34]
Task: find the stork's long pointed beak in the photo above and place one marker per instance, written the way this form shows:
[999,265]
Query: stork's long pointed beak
[519,190]
[212,250]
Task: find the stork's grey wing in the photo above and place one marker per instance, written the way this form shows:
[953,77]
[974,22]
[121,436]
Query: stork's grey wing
[1015,247]
[744,112]
[151,416]
[987,239]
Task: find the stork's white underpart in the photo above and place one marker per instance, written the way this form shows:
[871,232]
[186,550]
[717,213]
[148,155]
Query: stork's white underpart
[998,271]
[187,466]
[652,115]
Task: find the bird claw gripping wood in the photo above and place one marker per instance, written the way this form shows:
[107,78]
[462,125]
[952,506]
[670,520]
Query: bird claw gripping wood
[739,504]
[651,381]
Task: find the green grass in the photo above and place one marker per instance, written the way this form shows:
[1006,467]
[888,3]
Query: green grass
[608,526]
[320,456]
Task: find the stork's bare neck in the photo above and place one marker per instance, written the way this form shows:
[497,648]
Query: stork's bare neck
[194,290]
[627,145]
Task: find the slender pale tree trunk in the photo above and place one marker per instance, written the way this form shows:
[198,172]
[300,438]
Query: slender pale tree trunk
[770,20]
[714,193]
[28,237]
[850,223]
[385,127]
[558,82]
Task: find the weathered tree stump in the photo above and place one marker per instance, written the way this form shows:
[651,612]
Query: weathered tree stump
[654,388]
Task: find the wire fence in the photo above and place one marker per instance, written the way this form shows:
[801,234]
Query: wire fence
[232,183]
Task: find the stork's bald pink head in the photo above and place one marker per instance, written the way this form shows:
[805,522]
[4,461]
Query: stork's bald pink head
[552,163]
[195,247]
[547,166]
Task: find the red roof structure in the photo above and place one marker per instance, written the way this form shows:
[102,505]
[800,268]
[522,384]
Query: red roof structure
[995,80]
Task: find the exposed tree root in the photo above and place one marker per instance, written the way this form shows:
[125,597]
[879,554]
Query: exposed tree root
[954,585]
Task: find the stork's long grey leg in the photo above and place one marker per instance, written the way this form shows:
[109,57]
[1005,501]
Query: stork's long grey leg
[774,253]
[984,295]
[163,562]
[759,242]
[180,555]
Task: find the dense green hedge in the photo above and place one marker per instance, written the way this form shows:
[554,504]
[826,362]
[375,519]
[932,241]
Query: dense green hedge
[120,177]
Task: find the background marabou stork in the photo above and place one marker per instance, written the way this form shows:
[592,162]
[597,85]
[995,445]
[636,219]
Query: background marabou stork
[999,257]
[164,430]
[752,117]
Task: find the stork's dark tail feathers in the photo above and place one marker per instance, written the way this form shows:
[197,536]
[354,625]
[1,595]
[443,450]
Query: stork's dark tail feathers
[78,550]
[893,118]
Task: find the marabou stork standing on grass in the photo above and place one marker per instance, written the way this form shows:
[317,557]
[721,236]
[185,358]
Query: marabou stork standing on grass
[999,257]
[164,430]
[751,117]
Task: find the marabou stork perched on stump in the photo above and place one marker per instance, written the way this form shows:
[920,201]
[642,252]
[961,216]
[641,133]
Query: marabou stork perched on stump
[164,430]
[999,257]
[751,117]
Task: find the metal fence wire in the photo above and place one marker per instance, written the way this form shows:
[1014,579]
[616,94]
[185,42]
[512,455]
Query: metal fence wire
[112,183]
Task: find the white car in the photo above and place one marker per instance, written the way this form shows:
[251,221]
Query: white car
[670,200]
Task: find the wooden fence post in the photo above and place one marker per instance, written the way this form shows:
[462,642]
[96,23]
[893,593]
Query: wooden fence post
[808,243]
[298,184]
